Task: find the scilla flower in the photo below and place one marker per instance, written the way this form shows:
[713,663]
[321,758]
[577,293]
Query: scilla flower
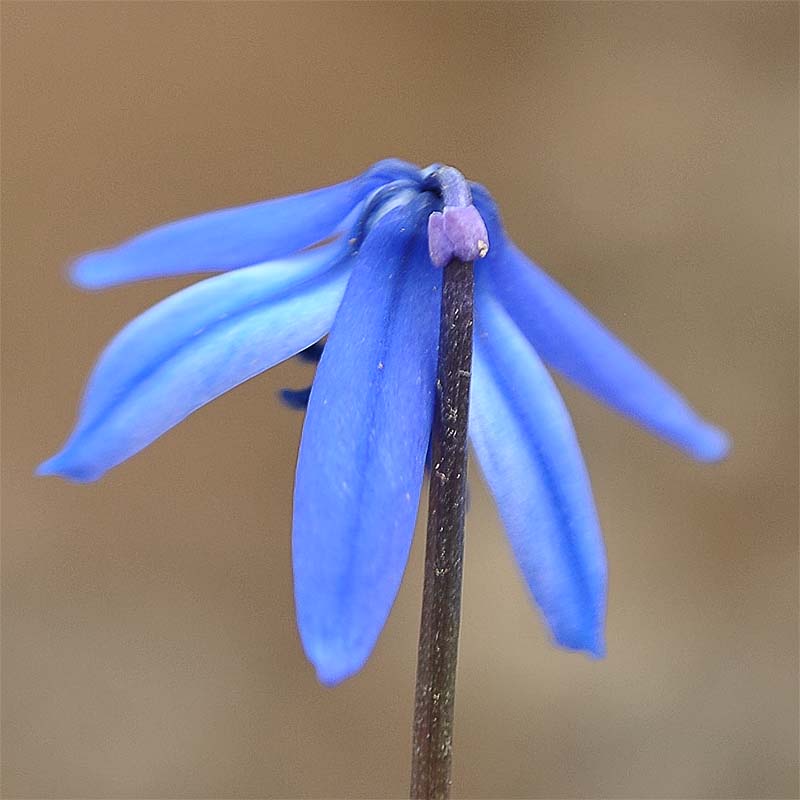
[374,287]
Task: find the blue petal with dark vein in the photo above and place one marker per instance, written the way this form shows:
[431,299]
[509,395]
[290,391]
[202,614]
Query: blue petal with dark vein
[362,453]
[570,339]
[531,460]
[194,346]
[232,238]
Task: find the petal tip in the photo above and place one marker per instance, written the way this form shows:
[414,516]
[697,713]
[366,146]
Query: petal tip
[598,649]
[333,668]
[46,468]
[330,679]
[86,271]
[713,444]
[58,466]
[587,640]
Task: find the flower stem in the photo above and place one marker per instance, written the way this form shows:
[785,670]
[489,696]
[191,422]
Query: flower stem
[441,597]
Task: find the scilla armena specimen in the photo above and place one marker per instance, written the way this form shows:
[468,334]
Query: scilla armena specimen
[375,290]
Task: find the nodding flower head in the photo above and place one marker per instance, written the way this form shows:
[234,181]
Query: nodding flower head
[359,262]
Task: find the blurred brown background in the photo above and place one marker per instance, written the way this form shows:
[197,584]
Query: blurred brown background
[646,154]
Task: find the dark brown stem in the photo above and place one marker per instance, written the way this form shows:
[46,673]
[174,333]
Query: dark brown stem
[441,597]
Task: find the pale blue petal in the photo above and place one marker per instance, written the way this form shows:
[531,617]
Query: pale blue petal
[529,455]
[570,339]
[362,453]
[194,346]
[154,336]
[233,237]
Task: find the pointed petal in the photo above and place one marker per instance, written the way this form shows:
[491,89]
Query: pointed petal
[574,342]
[156,334]
[227,239]
[530,458]
[194,346]
[362,453]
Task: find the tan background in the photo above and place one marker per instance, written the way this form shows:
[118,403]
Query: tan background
[647,155]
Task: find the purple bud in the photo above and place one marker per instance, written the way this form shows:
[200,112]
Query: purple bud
[458,232]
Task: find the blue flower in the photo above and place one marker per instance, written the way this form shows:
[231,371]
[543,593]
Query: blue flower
[355,262]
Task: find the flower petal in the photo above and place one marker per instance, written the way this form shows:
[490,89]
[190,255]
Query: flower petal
[362,453]
[529,454]
[233,237]
[194,346]
[155,335]
[570,339]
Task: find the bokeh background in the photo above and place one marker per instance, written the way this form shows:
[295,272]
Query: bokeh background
[647,155]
